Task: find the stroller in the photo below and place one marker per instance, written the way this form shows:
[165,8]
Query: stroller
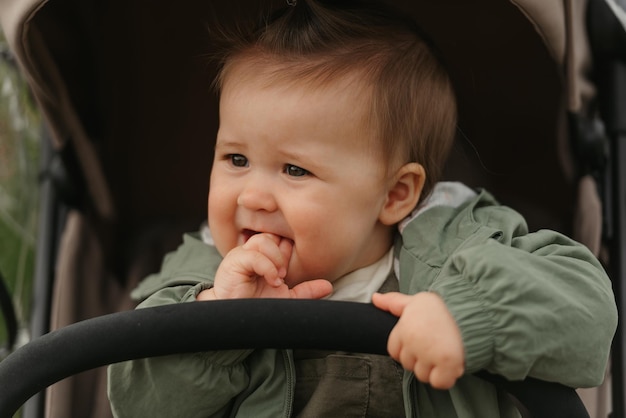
[125,91]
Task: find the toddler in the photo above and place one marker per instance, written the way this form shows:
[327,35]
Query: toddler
[335,122]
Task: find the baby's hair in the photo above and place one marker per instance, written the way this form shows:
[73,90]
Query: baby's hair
[412,107]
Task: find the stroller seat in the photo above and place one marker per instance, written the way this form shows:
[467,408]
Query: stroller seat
[124,88]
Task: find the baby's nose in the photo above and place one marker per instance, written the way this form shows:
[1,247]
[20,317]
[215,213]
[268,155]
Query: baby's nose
[257,196]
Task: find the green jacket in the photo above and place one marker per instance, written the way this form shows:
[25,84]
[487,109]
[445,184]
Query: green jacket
[528,304]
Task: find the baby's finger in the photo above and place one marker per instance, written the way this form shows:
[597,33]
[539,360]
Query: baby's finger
[270,246]
[247,265]
[393,302]
[267,268]
[394,345]
[260,241]
[312,289]
[444,377]
[407,359]
[422,371]
[241,272]
[286,247]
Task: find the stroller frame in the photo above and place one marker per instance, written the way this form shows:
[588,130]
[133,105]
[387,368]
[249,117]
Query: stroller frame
[77,183]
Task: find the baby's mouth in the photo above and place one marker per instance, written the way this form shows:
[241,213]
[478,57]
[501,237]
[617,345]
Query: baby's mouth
[247,234]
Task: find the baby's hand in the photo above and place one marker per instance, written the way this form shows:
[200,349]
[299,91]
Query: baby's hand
[257,269]
[426,339]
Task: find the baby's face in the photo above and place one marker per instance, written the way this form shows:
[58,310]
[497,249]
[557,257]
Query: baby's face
[294,161]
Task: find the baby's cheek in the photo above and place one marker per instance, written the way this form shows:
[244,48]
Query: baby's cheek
[296,271]
[224,242]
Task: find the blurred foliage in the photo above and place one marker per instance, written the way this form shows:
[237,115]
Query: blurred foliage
[19,144]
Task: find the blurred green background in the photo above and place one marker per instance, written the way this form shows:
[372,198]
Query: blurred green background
[20,130]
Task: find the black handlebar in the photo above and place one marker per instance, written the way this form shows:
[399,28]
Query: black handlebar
[220,325]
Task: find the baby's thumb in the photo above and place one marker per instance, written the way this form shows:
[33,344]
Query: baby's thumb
[393,302]
[313,289]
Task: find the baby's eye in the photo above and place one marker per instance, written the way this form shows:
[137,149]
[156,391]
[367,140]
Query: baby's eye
[295,171]
[238,160]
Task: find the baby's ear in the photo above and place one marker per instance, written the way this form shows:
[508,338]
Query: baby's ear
[403,194]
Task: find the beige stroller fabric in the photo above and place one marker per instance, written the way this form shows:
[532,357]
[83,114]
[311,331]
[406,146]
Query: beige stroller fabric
[49,88]
[151,82]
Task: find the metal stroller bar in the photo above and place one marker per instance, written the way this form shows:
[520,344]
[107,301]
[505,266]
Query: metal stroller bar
[8,312]
[233,324]
[50,219]
[607,36]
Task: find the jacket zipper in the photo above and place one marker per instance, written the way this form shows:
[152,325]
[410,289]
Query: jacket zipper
[411,398]
[291,381]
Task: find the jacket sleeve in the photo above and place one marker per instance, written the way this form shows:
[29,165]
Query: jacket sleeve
[187,385]
[529,304]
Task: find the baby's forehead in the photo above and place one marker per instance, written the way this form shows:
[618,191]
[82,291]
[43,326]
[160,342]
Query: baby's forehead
[344,92]
[315,74]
